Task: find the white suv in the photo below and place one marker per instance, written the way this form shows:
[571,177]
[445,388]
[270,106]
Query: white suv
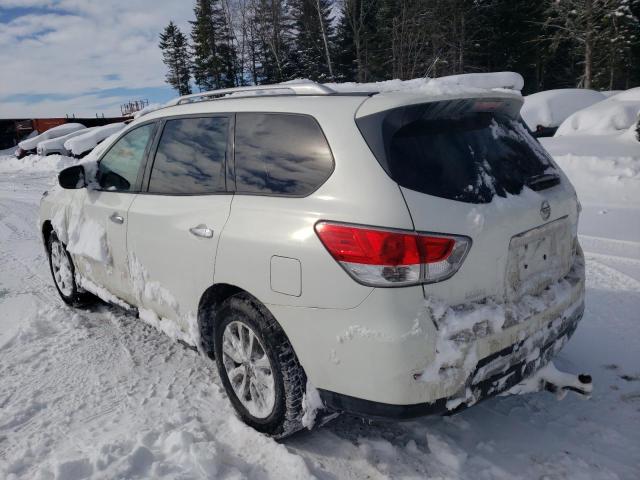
[396,253]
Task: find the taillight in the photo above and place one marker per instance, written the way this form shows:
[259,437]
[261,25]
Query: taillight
[379,257]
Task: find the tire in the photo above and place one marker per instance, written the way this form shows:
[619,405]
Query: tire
[278,414]
[63,273]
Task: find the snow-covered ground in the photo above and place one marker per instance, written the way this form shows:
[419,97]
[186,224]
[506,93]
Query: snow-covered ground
[99,394]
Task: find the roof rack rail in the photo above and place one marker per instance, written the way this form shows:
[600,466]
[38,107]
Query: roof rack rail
[308,88]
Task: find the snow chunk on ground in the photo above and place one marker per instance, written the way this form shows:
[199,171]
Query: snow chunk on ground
[613,115]
[550,108]
[549,374]
[55,132]
[82,143]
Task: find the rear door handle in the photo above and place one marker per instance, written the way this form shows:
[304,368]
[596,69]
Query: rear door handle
[201,231]
[116,218]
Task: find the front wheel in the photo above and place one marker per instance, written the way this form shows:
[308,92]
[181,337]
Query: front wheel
[258,367]
[63,273]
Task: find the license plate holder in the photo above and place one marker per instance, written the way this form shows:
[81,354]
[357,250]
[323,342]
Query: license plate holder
[538,257]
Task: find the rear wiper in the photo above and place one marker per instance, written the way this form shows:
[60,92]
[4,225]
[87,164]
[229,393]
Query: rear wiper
[543,181]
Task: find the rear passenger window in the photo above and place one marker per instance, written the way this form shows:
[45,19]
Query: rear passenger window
[190,157]
[280,154]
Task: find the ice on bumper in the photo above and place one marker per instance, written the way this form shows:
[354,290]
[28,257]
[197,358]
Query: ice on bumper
[487,347]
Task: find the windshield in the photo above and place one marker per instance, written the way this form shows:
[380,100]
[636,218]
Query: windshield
[468,156]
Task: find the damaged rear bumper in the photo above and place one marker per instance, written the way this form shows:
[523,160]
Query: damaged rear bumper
[493,375]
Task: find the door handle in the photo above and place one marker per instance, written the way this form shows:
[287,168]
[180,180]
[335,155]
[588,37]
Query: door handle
[201,231]
[116,218]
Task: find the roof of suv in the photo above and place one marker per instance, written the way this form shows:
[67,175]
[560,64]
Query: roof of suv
[300,97]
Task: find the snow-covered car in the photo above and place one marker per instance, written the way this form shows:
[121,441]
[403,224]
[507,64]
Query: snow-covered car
[543,112]
[614,115]
[56,145]
[29,145]
[391,255]
[83,144]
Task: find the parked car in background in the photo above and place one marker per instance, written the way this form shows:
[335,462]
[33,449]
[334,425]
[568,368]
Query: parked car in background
[82,144]
[543,112]
[391,255]
[56,145]
[29,145]
[605,130]
[612,116]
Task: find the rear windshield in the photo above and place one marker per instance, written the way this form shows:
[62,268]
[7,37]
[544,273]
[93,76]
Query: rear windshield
[458,153]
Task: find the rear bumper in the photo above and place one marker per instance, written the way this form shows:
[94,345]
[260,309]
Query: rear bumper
[401,352]
[479,386]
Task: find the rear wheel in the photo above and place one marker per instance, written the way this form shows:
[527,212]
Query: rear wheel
[258,367]
[63,273]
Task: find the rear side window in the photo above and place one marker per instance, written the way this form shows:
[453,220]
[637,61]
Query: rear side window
[461,154]
[280,154]
[190,157]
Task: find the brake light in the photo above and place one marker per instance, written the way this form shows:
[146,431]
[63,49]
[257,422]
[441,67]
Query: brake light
[380,257]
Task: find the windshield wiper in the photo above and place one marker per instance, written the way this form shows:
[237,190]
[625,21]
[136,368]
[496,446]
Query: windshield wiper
[543,181]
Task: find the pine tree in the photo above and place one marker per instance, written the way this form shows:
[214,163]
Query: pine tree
[313,39]
[345,63]
[501,37]
[273,47]
[226,49]
[175,56]
[214,54]
[621,28]
[356,32]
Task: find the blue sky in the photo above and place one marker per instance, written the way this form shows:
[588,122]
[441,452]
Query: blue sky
[83,57]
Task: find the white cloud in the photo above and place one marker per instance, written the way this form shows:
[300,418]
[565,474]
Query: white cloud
[80,47]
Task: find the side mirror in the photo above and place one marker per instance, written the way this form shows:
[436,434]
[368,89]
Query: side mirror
[72,177]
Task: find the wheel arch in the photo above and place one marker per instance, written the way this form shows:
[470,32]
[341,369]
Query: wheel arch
[47,228]
[209,303]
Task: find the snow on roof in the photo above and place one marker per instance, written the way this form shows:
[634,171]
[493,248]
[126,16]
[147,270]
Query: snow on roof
[550,108]
[458,83]
[449,86]
[613,115]
[82,143]
[55,132]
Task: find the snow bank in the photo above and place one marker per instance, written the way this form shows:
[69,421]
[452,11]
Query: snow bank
[608,180]
[35,163]
[604,169]
[613,115]
[82,143]
[550,108]
[55,132]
